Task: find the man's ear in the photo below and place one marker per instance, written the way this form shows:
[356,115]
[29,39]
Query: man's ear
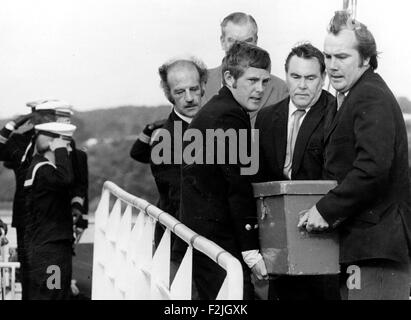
[222,43]
[323,77]
[202,86]
[229,79]
[366,62]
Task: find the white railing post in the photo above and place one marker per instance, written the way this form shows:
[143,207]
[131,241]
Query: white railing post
[124,265]
[100,221]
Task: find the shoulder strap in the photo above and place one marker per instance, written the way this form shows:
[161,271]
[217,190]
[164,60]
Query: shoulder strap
[29,182]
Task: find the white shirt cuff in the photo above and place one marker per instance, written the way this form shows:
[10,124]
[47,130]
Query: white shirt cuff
[251,257]
[11,126]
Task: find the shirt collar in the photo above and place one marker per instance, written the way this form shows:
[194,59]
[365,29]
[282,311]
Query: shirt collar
[292,108]
[184,118]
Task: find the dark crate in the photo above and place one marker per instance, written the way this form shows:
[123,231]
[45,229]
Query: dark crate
[285,248]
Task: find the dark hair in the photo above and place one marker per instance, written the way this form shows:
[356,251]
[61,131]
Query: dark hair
[367,47]
[306,51]
[243,55]
[164,68]
[239,18]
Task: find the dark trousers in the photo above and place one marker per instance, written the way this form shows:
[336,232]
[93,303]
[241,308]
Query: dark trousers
[49,269]
[376,279]
[208,277]
[306,287]
[22,258]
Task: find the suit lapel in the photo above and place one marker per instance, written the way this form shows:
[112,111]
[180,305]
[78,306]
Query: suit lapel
[330,114]
[334,122]
[365,75]
[308,126]
[279,125]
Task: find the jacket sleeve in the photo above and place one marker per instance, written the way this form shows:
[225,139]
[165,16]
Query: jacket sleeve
[243,210]
[141,151]
[9,150]
[374,134]
[59,178]
[80,185]
[261,175]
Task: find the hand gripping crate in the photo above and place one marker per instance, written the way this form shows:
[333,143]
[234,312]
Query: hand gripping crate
[285,248]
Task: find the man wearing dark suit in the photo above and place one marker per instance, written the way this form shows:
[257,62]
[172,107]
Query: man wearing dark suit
[216,196]
[291,147]
[239,26]
[183,84]
[366,152]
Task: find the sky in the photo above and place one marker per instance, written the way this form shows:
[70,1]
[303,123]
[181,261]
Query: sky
[106,53]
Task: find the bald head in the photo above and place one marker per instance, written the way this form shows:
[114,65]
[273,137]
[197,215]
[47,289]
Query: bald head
[238,26]
[183,83]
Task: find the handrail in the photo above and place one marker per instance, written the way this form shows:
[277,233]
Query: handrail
[209,248]
[232,287]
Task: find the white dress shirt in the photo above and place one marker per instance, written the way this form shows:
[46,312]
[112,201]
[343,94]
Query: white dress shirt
[291,109]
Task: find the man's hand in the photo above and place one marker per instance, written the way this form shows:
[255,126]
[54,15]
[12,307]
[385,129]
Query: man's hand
[19,121]
[148,130]
[313,221]
[157,124]
[76,213]
[78,228]
[259,270]
[59,143]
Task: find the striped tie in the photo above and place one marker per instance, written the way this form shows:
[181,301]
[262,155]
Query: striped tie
[340,99]
[297,114]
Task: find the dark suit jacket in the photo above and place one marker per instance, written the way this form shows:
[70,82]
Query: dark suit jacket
[276,90]
[217,201]
[366,151]
[166,175]
[307,163]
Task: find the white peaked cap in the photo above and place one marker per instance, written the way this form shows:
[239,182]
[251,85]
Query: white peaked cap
[60,128]
[51,104]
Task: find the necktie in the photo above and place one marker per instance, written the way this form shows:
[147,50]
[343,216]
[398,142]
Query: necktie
[330,115]
[340,99]
[297,114]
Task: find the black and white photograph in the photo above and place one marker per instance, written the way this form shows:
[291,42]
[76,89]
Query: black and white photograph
[187,151]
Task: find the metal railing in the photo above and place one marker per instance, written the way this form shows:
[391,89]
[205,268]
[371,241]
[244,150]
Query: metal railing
[124,266]
[8,276]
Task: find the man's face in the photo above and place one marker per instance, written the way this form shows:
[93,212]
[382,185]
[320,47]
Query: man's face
[237,32]
[185,89]
[342,60]
[248,90]
[304,81]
